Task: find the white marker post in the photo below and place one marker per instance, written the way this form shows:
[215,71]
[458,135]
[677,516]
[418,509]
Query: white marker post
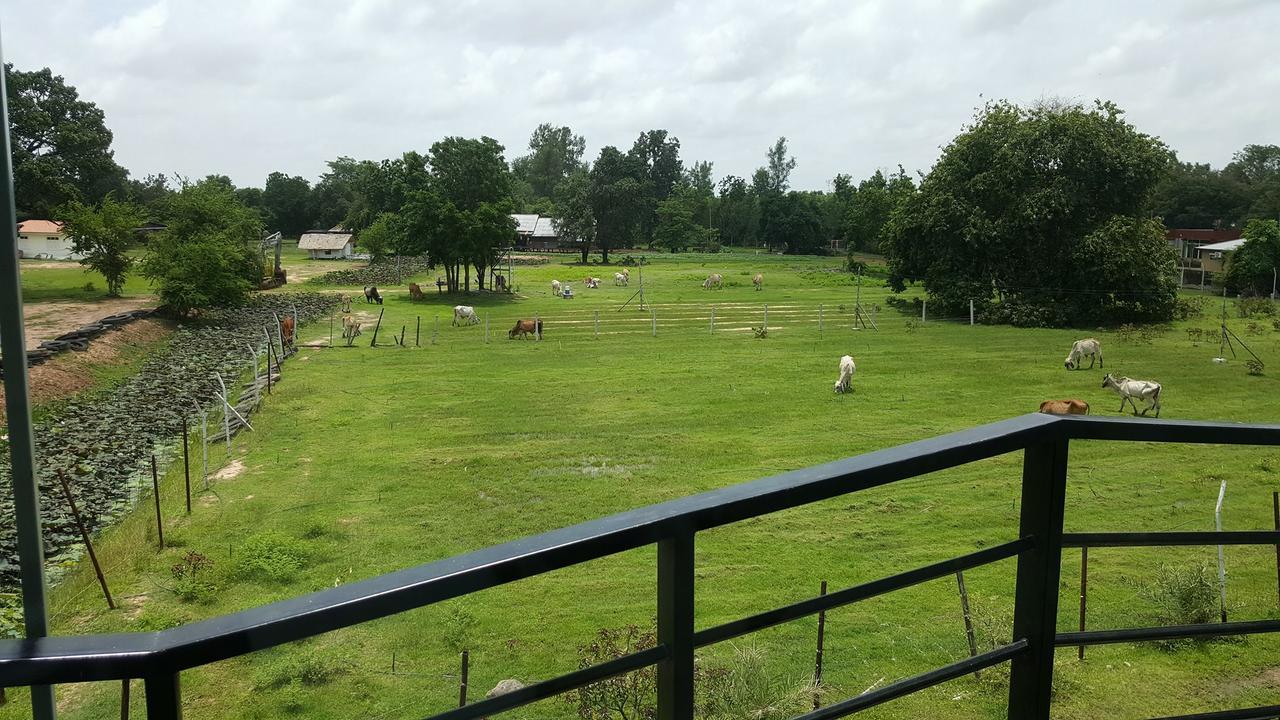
[226,416]
[819,318]
[970,311]
[1222,564]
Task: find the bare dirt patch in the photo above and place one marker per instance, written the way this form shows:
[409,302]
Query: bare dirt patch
[230,472]
[47,320]
[71,372]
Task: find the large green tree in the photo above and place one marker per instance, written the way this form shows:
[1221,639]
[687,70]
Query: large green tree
[1252,268]
[577,220]
[1197,196]
[619,200]
[870,207]
[554,154]
[1024,207]
[738,213]
[472,175]
[654,159]
[287,202]
[208,254]
[103,235]
[61,145]
[1257,168]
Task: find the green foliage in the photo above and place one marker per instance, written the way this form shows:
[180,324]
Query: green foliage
[620,199]
[743,687]
[1043,207]
[738,216]
[10,615]
[676,229]
[793,222]
[1247,307]
[1187,308]
[60,143]
[208,256]
[654,162]
[103,235]
[457,629]
[286,201]
[1182,596]
[555,153]
[1250,267]
[1254,366]
[384,236]
[309,668]
[269,557]
[190,578]
[577,220]
[860,215]
[1194,195]
[629,697]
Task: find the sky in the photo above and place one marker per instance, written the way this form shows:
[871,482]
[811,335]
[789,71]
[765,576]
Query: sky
[247,87]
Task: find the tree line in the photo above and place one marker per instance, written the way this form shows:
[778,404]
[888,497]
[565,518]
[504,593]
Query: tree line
[1044,215]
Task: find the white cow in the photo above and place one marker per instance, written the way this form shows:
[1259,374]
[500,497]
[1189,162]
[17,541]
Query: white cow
[619,279]
[1146,390]
[714,280]
[464,315]
[1081,348]
[555,287]
[847,369]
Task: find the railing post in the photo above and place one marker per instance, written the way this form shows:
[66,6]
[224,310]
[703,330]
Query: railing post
[164,697]
[675,627]
[1035,613]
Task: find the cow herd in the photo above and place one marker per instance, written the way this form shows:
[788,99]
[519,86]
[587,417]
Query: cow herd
[1130,390]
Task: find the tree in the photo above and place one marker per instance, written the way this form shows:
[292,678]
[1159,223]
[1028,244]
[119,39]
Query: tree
[489,228]
[1257,168]
[208,254]
[618,198]
[382,237]
[1197,196]
[472,176]
[655,164]
[554,154]
[335,193]
[372,188]
[288,204]
[795,224]
[61,145]
[103,235]
[1029,207]
[150,193]
[780,167]
[577,220]
[676,229]
[738,217]
[871,206]
[1251,268]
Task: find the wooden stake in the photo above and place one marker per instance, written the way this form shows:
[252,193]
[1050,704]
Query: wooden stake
[374,341]
[155,489]
[417,331]
[84,536]
[822,634]
[819,318]
[124,699]
[1275,508]
[1084,592]
[968,619]
[186,461]
[462,686]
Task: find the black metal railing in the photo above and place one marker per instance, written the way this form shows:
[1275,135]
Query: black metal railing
[160,657]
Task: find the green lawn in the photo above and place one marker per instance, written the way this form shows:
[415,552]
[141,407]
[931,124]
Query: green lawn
[47,280]
[369,460]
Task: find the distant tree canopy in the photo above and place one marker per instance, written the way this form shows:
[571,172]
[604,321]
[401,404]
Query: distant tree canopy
[555,153]
[1251,268]
[286,203]
[61,146]
[1043,211]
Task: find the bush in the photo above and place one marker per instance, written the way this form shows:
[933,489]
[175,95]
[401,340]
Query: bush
[743,688]
[300,666]
[1185,308]
[10,615]
[456,632]
[1183,596]
[269,556]
[190,578]
[1255,366]
[1248,307]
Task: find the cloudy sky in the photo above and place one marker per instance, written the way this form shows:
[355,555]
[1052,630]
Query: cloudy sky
[245,87]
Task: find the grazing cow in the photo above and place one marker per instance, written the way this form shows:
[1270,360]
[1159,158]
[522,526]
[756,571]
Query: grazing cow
[286,330]
[371,295]
[1079,349]
[619,279]
[464,315]
[591,282]
[415,292]
[758,281]
[1064,407]
[627,272]
[344,302]
[350,327]
[714,280]
[1146,390]
[524,328]
[555,287]
[500,282]
[847,368]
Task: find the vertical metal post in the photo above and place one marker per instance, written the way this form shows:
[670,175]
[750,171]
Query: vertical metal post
[186,460]
[26,494]
[924,307]
[164,697]
[124,699]
[766,316]
[1035,613]
[226,412]
[970,311]
[155,490]
[968,619]
[713,320]
[817,660]
[1275,508]
[675,627]
[1084,591]
[1222,562]
[462,684]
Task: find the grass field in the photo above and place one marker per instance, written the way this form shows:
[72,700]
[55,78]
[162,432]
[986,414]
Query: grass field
[46,280]
[367,460]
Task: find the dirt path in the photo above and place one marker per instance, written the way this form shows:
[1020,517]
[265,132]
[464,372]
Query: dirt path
[68,373]
[47,320]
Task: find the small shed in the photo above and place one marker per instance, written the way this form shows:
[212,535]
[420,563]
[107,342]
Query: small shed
[327,244]
[1213,256]
[545,236]
[44,239]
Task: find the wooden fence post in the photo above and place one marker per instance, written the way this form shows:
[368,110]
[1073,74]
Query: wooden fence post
[417,331]
[84,537]
[817,661]
[597,322]
[374,341]
[819,318]
[970,311]
[155,490]
[653,314]
[1084,591]
[462,686]
[713,320]
[186,462]
[968,619]
[766,317]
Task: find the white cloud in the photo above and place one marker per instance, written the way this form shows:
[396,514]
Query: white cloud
[245,87]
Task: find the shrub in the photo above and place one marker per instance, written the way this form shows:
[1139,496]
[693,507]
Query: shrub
[10,615]
[269,556]
[456,632]
[1255,328]
[1188,307]
[1255,366]
[1247,307]
[301,666]
[744,688]
[912,325]
[760,332]
[190,582]
[1182,596]
[633,695]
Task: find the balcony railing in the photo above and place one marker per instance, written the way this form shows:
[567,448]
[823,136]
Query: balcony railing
[160,657]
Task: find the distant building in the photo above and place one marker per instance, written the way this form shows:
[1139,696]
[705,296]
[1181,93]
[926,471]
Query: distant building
[332,244]
[538,232]
[1213,256]
[1187,241]
[44,239]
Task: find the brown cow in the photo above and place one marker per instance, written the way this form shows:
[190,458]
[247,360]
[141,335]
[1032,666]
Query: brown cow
[525,327]
[286,330]
[415,292]
[1065,407]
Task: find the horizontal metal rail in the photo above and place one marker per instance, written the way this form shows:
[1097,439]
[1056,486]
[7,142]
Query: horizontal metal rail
[1170,632]
[916,683]
[804,608]
[555,686]
[1268,712]
[1162,539]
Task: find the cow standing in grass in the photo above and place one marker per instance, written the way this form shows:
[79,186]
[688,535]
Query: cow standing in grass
[1064,407]
[619,279]
[758,281]
[1128,389]
[371,295]
[524,328]
[286,331]
[1081,348]
[464,315]
[415,292]
[555,287]
[714,280]
[847,368]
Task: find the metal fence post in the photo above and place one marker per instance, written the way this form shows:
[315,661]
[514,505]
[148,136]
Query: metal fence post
[675,627]
[164,697]
[1035,613]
